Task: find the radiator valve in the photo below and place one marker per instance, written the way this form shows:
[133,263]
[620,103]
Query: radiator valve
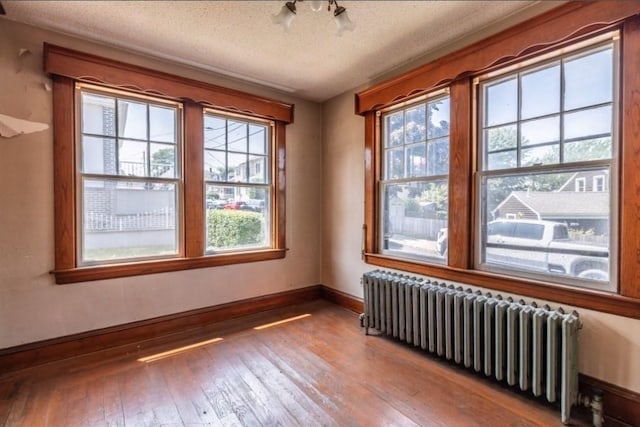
[594,403]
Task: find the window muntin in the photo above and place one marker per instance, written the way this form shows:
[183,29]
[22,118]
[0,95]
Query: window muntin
[543,130]
[238,190]
[128,177]
[414,186]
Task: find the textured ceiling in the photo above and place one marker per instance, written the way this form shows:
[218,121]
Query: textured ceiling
[237,38]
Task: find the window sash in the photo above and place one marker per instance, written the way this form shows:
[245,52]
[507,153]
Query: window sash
[484,172]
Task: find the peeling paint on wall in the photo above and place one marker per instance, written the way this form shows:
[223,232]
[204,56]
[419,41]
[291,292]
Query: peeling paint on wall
[11,126]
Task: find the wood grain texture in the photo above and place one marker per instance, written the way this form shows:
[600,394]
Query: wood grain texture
[64,172]
[132,334]
[629,176]
[91,68]
[85,274]
[193,175]
[371,175]
[568,21]
[317,370]
[280,212]
[460,185]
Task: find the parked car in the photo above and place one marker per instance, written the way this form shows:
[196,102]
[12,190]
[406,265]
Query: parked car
[238,205]
[215,204]
[537,245]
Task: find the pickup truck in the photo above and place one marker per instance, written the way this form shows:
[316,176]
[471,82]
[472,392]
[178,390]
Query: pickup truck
[542,246]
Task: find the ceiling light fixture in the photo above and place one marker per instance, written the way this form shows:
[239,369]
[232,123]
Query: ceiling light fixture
[288,12]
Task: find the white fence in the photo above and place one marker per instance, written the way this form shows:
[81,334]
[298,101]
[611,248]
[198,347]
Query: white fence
[159,219]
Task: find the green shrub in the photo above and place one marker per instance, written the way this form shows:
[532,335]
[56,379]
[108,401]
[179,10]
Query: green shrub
[231,228]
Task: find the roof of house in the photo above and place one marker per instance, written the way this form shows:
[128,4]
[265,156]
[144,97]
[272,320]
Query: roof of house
[563,204]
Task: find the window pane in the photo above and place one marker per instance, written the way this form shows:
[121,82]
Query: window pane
[502,160]
[126,219]
[528,218]
[541,155]
[416,160]
[539,131]
[163,160]
[98,114]
[438,118]
[258,169]
[215,130]
[501,138]
[394,126]
[257,139]
[132,158]
[215,165]
[415,129]
[162,124]
[438,157]
[588,123]
[541,92]
[587,149]
[394,168]
[132,119]
[237,168]
[98,155]
[237,140]
[589,80]
[414,219]
[502,102]
[238,217]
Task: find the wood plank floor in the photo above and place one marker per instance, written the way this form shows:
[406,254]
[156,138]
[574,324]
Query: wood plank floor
[317,369]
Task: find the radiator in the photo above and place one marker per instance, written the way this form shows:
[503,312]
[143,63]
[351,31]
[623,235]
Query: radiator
[528,347]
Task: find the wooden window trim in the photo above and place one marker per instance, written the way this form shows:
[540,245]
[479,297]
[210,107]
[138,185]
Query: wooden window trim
[566,24]
[69,67]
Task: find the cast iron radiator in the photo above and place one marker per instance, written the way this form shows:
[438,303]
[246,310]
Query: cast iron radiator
[529,347]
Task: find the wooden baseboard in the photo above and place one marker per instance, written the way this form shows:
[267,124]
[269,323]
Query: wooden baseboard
[621,406]
[342,299]
[38,353]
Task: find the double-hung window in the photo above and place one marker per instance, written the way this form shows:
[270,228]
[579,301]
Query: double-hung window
[542,171]
[414,190]
[237,159]
[156,173]
[129,176]
[546,131]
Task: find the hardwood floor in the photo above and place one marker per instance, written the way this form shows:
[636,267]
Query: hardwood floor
[318,368]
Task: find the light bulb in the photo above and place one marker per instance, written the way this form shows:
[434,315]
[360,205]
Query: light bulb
[316,5]
[342,20]
[285,17]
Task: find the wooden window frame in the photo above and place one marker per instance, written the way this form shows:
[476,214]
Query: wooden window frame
[69,67]
[562,26]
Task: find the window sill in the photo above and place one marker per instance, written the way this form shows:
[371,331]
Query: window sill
[584,298]
[102,272]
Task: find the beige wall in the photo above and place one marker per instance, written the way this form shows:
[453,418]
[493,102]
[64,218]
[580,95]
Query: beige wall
[609,345]
[32,307]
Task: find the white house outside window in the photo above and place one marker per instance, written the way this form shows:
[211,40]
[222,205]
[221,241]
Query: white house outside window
[544,130]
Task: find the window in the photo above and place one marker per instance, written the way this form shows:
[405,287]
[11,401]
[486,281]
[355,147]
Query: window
[129,177]
[153,183]
[541,127]
[533,109]
[236,155]
[414,189]
[599,183]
